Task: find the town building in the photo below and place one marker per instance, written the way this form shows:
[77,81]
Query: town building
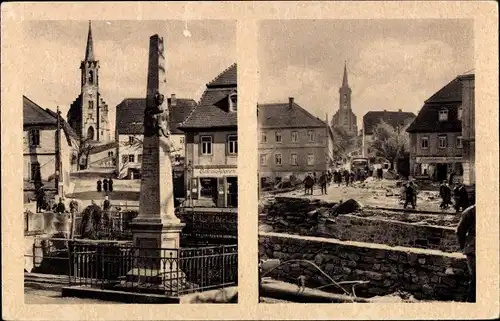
[49,151]
[397,119]
[212,144]
[130,132]
[468,129]
[345,117]
[293,143]
[88,114]
[436,144]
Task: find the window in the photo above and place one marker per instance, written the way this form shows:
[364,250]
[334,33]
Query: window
[232,144]
[139,158]
[443,141]
[310,134]
[233,102]
[295,137]
[91,104]
[460,112]
[131,140]
[110,154]
[91,76]
[277,159]
[181,140]
[424,142]
[206,145]
[124,158]
[34,137]
[293,159]
[278,137]
[131,158]
[263,159]
[35,171]
[443,115]
[263,137]
[310,159]
[459,141]
[91,117]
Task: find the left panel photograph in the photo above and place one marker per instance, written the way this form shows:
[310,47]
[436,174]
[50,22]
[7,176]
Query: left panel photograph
[130,162]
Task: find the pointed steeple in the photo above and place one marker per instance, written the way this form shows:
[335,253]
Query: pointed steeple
[89,51]
[344,79]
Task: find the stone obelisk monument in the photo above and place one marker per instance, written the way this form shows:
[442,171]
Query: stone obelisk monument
[156,227]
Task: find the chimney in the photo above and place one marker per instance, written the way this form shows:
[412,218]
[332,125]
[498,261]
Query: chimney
[173,101]
[290,102]
[400,110]
[385,110]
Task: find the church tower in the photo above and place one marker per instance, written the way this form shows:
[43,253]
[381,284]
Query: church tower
[345,117]
[88,115]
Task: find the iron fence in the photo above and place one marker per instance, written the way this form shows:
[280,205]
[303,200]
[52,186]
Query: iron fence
[172,272]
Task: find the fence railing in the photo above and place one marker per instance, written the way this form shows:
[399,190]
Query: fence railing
[172,272]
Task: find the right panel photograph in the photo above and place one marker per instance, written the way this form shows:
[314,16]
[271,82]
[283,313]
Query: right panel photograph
[366,161]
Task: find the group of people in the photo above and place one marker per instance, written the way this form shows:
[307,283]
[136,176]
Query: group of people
[336,176]
[459,193]
[106,185]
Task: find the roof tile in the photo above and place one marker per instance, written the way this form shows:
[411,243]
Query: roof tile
[280,115]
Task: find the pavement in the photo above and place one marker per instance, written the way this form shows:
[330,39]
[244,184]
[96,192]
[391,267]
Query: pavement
[373,194]
[44,293]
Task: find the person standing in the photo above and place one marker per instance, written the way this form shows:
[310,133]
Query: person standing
[105,185]
[410,195]
[40,197]
[466,235]
[60,207]
[106,205]
[464,197]
[308,184]
[323,182]
[110,184]
[445,193]
[99,186]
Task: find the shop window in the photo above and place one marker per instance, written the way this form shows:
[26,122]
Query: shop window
[263,159]
[424,169]
[310,134]
[424,142]
[131,158]
[35,171]
[263,137]
[295,137]
[443,141]
[443,114]
[293,159]
[310,159]
[278,137]
[232,144]
[459,142]
[34,137]
[206,145]
[277,159]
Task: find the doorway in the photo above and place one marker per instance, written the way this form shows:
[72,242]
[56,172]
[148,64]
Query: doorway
[232,191]
[441,172]
[90,133]
[208,189]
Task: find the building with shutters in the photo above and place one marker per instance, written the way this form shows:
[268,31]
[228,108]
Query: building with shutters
[212,144]
[292,143]
[49,150]
[436,138]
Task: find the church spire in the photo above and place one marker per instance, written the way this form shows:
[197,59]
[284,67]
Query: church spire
[344,79]
[89,51]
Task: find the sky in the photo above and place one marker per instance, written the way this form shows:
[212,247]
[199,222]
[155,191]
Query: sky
[52,65]
[391,64]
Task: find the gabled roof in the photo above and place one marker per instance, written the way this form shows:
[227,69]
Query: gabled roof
[394,118]
[281,115]
[452,92]
[34,115]
[227,77]
[210,113]
[130,115]
[449,97]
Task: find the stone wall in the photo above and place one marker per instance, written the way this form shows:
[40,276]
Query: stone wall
[426,274]
[313,218]
[393,233]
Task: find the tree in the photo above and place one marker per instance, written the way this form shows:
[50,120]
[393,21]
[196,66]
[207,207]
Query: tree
[83,150]
[343,143]
[391,143]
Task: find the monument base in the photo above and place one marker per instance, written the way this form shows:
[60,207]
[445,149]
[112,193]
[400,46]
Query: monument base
[156,261]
